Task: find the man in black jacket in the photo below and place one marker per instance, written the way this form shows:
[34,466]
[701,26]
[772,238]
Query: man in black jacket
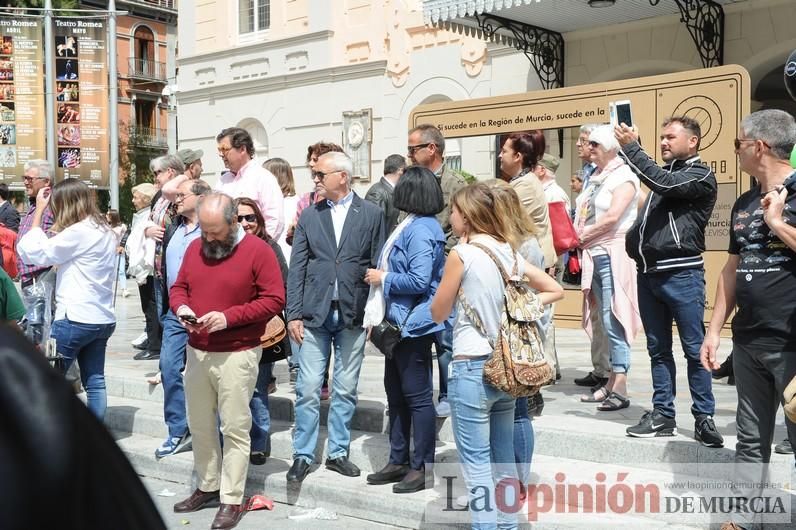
[667,242]
[381,192]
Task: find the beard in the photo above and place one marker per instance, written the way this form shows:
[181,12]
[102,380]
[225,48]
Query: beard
[219,249]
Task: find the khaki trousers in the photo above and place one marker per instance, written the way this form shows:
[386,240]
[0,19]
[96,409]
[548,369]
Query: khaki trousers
[220,385]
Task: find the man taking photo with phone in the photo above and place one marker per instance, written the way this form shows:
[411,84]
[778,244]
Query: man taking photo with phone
[667,243]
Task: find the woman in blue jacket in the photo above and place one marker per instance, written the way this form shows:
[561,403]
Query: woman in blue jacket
[410,268]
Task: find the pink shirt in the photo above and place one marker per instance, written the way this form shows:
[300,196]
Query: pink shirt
[259,184]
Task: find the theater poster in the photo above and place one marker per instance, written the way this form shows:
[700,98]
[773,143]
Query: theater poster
[22,117]
[81,100]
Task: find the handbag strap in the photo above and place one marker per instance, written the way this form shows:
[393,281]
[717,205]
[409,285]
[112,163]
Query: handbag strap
[503,273]
[408,314]
[472,314]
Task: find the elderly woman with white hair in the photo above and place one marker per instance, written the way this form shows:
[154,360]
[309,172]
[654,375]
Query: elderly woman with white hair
[608,280]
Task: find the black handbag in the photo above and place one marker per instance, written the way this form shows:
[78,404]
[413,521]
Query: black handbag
[387,335]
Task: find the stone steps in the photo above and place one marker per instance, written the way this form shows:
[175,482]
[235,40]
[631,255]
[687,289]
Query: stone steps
[353,497]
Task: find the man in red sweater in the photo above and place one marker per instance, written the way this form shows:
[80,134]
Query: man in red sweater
[228,288]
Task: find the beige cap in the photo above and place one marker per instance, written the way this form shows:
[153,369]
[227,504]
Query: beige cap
[550,162]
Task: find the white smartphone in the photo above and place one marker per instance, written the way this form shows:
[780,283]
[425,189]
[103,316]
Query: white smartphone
[620,113]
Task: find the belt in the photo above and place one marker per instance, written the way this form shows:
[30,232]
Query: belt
[470,357]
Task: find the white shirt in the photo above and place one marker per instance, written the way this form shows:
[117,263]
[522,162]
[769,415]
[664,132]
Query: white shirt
[260,185]
[555,193]
[85,255]
[290,205]
[339,212]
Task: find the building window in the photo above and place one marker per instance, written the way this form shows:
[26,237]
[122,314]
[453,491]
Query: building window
[254,15]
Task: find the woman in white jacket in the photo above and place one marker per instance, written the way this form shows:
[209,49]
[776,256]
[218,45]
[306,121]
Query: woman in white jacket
[141,253]
[84,250]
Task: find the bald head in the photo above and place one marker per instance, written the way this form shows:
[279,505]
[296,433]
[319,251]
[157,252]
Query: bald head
[219,224]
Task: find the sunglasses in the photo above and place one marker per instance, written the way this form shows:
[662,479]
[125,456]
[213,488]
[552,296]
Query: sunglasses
[249,218]
[594,144]
[320,175]
[412,149]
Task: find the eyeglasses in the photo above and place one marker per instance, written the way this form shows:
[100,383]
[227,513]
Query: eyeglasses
[224,150]
[26,178]
[738,141]
[412,149]
[249,218]
[320,175]
[182,196]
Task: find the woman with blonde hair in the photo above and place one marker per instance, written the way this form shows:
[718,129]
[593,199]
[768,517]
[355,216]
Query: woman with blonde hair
[483,416]
[284,176]
[84,250]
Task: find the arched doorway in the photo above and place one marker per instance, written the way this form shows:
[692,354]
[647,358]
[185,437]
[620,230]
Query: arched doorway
[258,134]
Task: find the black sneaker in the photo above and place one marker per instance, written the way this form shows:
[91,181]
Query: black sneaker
[652,425]
[705,432]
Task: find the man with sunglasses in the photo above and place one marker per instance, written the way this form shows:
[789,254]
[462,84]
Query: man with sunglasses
[758,282]
[425,148]
[38,175]
[335,242]
[667,242]
[178,235]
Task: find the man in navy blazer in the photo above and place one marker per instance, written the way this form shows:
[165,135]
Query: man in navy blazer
[336,241]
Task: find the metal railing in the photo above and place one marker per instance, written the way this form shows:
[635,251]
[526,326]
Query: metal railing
[148,136]
[167,4]
[147,69]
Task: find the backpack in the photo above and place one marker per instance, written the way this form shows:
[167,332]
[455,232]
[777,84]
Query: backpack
[8,245]
[517,365]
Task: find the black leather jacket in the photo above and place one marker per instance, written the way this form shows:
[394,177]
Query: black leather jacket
[669,233]
[380,194]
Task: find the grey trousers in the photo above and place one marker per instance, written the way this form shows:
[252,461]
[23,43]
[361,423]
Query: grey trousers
[760,379]
[761,376]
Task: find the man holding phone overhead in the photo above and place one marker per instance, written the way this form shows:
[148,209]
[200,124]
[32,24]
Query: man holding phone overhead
[667,243]
[229,286]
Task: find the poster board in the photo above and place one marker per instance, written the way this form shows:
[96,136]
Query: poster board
[716,97]
[81,100]
[22,114]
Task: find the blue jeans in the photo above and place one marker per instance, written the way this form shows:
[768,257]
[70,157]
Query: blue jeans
[409,386]
[677,296]
[523,440]
[85,343]
[172,362]
[483,428]
[261,417]
[157,287]
[349,350]
[602,286]
[443,344]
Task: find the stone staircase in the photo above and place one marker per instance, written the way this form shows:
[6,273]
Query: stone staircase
[569,434]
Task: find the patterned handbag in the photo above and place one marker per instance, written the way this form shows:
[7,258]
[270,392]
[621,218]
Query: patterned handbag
[517,365]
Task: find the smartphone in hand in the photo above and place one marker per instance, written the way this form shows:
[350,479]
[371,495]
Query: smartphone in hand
[190,319]
[620,112]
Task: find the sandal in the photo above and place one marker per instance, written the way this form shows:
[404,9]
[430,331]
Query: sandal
[614,402]
[603,392]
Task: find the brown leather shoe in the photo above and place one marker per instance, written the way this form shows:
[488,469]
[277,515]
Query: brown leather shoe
[197,500]
[228,516]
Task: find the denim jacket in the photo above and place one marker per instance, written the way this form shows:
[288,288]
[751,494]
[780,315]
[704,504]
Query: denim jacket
[416,262]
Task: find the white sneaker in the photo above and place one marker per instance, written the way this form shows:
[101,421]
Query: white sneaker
[138,341]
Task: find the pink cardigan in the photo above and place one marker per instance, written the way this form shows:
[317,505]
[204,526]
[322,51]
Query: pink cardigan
[623,269]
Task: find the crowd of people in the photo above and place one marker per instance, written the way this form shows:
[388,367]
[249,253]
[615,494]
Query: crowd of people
[221,270]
